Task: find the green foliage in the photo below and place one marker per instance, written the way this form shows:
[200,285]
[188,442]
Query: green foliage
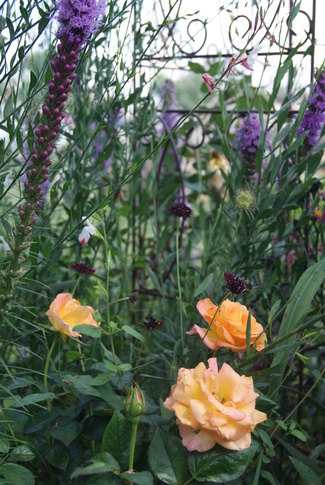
[132,145]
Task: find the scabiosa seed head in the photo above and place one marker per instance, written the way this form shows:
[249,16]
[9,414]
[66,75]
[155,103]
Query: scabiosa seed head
[236,284]
[180,210]
[244,200]
[82,268]
[134,298]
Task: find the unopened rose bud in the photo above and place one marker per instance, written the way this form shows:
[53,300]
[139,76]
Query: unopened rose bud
[134,404]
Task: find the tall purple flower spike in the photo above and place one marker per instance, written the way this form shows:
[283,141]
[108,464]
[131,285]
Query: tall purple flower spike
[314,117]
[247,140]
[78,20]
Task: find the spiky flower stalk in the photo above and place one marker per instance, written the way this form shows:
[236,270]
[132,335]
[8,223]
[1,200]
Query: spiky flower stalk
[77,22]
[314,117]
[247,140]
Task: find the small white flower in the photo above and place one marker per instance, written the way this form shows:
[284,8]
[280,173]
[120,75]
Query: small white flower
[7,181]
[87,231]
[4,244]
[249,60]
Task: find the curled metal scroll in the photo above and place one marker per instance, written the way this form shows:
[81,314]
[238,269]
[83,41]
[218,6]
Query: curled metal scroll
[237,25]
[249,28]
[192,38]
[169,39]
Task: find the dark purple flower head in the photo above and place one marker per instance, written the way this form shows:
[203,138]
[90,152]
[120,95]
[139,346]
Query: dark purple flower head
[80,17]
[83,268]
[153,323]
[314,117]
[180,210]
[247,137]
[236,284]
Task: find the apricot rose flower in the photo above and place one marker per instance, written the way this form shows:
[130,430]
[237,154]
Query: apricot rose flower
[214,406]
[227,326]
[65,313]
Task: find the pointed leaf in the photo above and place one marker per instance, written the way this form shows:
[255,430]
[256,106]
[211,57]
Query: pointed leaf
[168,458]
[102,463]
[117,438]
[306,473]
[202,286]
[297,307]
[220,465]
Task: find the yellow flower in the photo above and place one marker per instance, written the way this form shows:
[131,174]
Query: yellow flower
[217,163]
[65,313]
[228,325]
[214,406]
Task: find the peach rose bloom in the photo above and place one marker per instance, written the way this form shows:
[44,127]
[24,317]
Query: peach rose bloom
[214,406]
[65,313]
[227,326]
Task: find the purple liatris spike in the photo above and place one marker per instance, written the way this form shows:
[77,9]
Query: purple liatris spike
[247,140]
[314,117]
[79,18]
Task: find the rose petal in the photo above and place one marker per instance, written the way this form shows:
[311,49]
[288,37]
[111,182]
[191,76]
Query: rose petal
[198,440]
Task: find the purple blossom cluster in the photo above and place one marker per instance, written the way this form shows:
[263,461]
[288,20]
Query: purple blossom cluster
[79,18]
[152,324]
[83,268]
[247,138]
[180,209]
[314,117]
[237,284]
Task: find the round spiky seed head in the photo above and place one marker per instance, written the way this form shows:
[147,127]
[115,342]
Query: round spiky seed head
[244,200]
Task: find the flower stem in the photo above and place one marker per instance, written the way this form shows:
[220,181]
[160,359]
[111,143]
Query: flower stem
[229,252]
[49,355]
[135,422]
[179,284]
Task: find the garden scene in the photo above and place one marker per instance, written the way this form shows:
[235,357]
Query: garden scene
[162,265]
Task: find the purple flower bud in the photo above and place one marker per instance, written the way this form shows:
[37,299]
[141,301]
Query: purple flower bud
[46,111]
[63,97]
[51,87]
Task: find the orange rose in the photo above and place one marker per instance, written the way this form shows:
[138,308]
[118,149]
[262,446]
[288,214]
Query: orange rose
[227,326]
[214,406]
[65,313]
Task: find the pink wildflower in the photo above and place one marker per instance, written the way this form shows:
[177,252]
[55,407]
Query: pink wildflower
[209,81]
